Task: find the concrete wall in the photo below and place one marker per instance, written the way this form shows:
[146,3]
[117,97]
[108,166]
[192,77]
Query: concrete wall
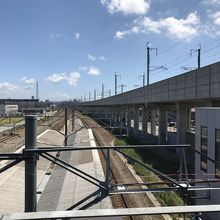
[197,84]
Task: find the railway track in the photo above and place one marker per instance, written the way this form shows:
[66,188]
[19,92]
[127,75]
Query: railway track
[119,201]
[11,142]
[4,138]
[120,174]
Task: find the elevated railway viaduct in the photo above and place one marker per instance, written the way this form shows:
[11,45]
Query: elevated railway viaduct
[150,104]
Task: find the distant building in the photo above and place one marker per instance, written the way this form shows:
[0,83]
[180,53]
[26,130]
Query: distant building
[21,106]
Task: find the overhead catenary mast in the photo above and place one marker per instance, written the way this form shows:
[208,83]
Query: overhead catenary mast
[37,91]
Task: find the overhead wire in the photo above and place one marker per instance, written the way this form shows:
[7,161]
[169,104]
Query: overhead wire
[175,67]
[174,62]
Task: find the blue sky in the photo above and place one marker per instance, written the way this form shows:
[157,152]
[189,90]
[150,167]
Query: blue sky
[71,47]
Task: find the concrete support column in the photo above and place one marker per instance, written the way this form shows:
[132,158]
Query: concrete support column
[182,122]
[106,113]
[129,118]
[114,115]
[118,116]
[136,120]
[145,119]
[153,121]
[122,117]
[111,113]
[162,126]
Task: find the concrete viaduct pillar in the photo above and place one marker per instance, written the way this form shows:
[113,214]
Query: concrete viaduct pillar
[136,120]
[182,122]
[129,118]
[122,117]
[115,116]
[153,121]
[162,126]
[145,119]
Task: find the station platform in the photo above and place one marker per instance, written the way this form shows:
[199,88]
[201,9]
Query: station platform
[57,189]
[65,189]
[12,180]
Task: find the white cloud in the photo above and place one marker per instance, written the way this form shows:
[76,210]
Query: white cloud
[56,77]
[211,2]
[103,58]
[94,71]
[73,78]
[182,29]
[216,17]
[28,83]
[56,35]
[127,7]
[83,68]
[6,87]
[77,35]
[121,34]
[91,57]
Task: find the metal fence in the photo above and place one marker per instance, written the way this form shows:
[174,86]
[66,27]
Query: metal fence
[107,187]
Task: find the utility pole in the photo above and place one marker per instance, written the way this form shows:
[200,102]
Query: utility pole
[122,86]
[73,119]
[109,92]
[143,76]
[65,127]
[148,61]
[103,94]
[89,96]
[116,82]
[94,94]
[84,98]
[37,91]
[198,51]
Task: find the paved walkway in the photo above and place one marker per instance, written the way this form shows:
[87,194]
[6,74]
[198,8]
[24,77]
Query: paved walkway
[65,189]
[12,180]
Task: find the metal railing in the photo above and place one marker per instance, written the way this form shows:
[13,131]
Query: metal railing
[107,187]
